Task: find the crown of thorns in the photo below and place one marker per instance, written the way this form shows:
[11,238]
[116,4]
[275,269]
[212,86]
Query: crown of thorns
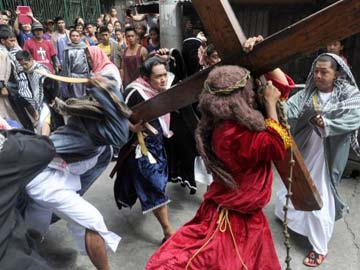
[228,90]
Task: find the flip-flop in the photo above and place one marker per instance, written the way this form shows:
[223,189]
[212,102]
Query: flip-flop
[314,259]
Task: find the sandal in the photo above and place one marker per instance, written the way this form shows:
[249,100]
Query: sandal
[314,259]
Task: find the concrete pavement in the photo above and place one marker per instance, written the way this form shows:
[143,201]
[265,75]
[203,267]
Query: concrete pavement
[141,234]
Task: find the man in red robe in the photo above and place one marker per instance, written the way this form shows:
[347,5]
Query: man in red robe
[237,144]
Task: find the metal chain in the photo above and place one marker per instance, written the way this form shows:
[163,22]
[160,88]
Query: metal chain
[284,121]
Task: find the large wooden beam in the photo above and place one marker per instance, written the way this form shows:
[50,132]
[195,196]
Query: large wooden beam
[221,25]
[305,195]
[300,38]
[337,21]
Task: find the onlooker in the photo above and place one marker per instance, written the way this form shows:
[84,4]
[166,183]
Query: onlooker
[113,15]
[106,18]
[36,83]
[132,57]
[209,56]
[5,17]
[154,41]
[117,25]
[79,20]
[99,21]
[24,33]
[80,29]
[110,27]
[20,95]
[119,37]
[90,34]
[40,49]
[337,47]
[60,37]
[188,29]
[141,33]
[50,28]
[109,47]
[75,65]
[6,72]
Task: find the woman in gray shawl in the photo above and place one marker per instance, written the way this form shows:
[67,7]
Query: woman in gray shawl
[75,65]
[324,118]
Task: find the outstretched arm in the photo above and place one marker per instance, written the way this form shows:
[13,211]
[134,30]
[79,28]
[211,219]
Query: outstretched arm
[282,81]
[138,17]
[16,24]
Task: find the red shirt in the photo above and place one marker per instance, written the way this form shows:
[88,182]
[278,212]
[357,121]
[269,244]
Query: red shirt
[41,51]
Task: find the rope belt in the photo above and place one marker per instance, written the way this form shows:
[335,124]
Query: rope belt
[223,224]
[141,141]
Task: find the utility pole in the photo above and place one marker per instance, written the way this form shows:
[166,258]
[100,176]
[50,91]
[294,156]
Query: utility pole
[170,24]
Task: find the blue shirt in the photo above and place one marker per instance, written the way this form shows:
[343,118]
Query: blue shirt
[23,37]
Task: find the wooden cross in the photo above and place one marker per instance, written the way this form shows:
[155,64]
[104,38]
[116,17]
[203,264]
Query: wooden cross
[337,21]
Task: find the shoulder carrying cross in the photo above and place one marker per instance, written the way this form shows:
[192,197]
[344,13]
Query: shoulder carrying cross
[337,21]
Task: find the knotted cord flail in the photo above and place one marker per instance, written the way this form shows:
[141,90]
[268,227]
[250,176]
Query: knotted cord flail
[284,121]
[223,223]
[280,108]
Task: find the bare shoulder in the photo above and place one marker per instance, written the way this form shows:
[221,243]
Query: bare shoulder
[144,51]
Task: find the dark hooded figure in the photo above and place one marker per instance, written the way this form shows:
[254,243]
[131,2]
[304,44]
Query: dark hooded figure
[23,155]
[237,144]
[190,55]
[183,123]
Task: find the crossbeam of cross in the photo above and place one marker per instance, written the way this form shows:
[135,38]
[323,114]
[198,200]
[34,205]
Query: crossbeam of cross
[337,21]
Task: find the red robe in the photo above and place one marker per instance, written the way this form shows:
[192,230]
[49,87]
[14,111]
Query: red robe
[247,155]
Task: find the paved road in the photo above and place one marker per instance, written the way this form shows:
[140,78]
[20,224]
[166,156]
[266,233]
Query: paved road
[141,234]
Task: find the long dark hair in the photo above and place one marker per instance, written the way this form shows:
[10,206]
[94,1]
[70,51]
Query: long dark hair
[236,106]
